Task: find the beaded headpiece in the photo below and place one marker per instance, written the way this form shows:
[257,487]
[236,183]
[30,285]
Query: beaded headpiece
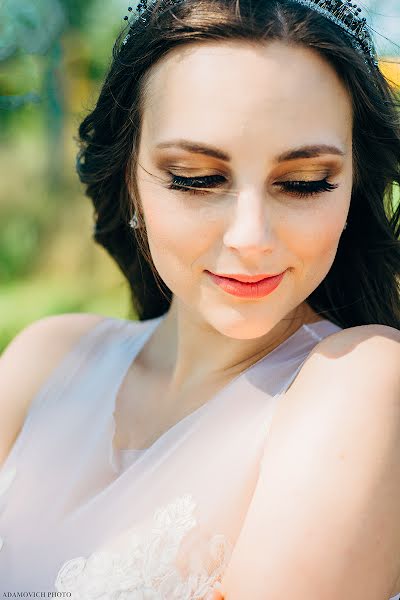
[344,13]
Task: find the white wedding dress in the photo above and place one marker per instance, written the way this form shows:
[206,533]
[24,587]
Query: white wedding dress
[79,518]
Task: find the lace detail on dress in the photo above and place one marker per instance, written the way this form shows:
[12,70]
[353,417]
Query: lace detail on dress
[146,569]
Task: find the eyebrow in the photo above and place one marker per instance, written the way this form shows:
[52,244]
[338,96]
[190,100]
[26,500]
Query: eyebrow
[310,151]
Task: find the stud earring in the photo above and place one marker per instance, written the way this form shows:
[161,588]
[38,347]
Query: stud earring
[134,222]
[345,227]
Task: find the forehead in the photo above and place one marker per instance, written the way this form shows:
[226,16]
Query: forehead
[271,94]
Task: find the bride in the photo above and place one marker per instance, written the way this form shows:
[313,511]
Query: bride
[243,436]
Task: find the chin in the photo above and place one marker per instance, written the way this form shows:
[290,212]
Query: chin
[239,326]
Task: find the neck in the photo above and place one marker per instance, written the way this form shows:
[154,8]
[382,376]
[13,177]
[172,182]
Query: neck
[188,351]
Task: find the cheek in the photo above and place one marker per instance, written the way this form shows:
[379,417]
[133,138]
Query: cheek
[313,242]
[317,240]
[177,234]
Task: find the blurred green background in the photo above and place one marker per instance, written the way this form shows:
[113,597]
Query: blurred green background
[53,57]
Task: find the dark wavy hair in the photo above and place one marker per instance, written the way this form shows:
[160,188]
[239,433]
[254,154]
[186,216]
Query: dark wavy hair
[362,286]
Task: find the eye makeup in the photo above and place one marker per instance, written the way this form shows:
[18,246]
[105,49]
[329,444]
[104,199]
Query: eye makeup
[307,179]
[206,184]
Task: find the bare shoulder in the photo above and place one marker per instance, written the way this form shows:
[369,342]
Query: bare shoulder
[349,370]
[358,349]
[34,352]
[369,336]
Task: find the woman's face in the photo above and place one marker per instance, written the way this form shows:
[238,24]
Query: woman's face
[262,118]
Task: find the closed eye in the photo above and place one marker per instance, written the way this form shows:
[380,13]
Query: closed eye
[195,185]
[200,185]
[308,188]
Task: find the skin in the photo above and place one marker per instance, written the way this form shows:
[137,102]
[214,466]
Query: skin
[253,102]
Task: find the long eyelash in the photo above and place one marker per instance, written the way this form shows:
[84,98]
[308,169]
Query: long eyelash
[308,188]
[199,185]
[191,184]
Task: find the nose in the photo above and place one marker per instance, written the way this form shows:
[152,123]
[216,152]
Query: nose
[250,229]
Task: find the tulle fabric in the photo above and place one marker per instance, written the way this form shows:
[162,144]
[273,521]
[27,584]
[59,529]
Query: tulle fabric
[78,516]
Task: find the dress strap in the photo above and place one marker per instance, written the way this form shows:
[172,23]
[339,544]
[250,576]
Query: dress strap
[288,370]
[316,333]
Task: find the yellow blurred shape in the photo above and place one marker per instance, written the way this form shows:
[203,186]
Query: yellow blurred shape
[390,67]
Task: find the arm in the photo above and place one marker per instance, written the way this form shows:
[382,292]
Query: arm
[323,523]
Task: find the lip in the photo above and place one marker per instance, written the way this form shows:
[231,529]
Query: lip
[246,278]
[250,290]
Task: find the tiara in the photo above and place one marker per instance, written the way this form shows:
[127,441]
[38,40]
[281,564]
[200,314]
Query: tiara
[346,14]
[343,13]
